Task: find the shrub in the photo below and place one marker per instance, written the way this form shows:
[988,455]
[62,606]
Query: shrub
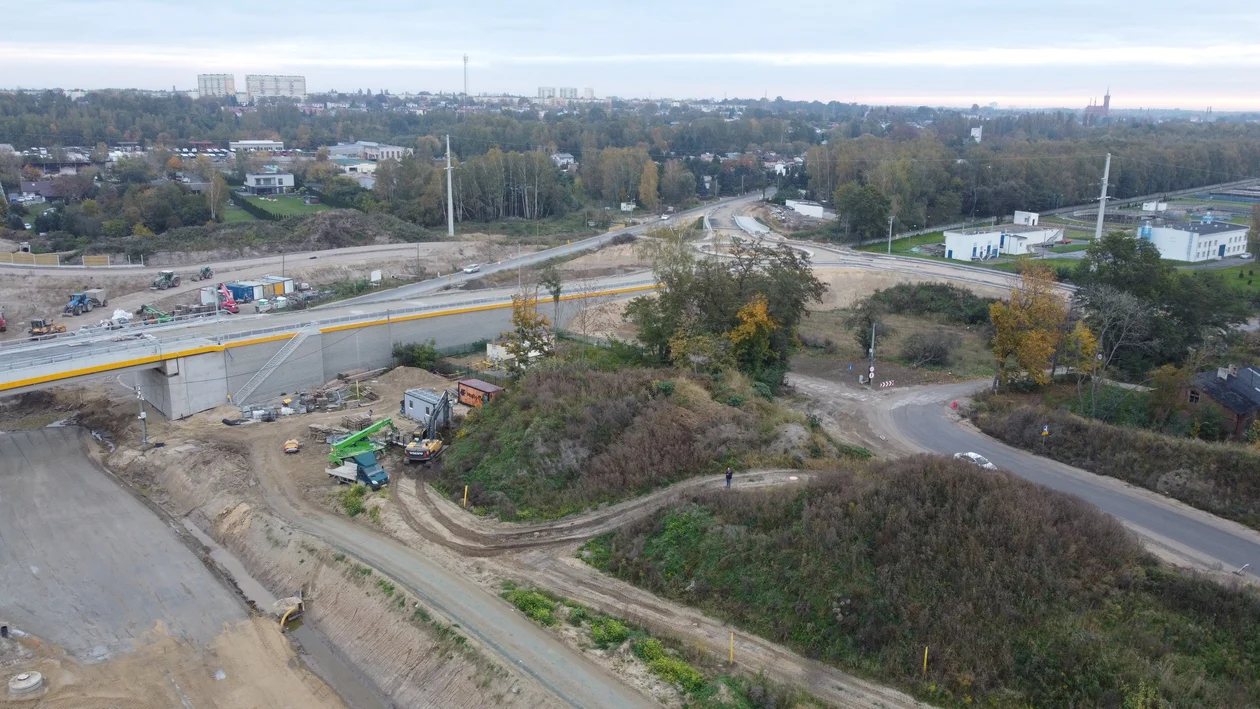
[1218,478]
[622,238]
[533,604]
[933,348]
[669,668]
[417,354]
[1027,597]
[352,499]
[608,632]
[665,387]
[952,303]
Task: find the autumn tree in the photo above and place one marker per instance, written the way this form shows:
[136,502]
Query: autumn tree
[530,337]
[174,165]
[1028,328]
[217,196]
[750,339]
[648,198]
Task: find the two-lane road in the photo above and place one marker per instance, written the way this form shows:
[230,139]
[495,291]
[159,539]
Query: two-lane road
[923,420]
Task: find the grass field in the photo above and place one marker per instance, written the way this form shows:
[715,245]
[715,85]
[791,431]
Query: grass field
[286,205]
[903,246]
[233,214]
[1018,264]
[1247,283]
[1069,248]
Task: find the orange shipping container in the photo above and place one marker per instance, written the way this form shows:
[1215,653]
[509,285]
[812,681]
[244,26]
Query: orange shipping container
[475,392]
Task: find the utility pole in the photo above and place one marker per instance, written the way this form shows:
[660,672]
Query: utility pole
[465,77]
[1102,199]
[450,194]
[871,371]
[891,217]
[144,422]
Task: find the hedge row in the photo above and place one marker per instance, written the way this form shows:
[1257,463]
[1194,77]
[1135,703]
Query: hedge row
[252,208]
[1220,478]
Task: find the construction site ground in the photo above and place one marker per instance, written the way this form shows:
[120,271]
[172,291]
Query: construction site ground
[114,607]
[26,292]
[486,552]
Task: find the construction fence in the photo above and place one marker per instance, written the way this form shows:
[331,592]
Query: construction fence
[25,258]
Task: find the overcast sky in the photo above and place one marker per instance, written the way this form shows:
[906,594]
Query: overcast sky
[1152,53]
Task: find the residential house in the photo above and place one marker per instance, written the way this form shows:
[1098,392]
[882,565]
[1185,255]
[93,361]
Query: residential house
[563,160]
[269,183]
[1235,392]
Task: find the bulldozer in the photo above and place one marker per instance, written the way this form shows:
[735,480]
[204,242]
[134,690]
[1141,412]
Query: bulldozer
[205,274]
[165,279]
[44,327]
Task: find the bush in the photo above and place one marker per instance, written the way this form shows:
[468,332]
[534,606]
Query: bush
[669,668]
[934,348]
[608,632]
[622,238]
[533,604]
[1218,478]
[1026,597]
[352,499]
[423,355]
[952,303]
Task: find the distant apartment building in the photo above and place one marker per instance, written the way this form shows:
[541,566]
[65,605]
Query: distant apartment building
[588,93]
[216,85]
[546,92]
[367,150]
[274,86]
[1196,241]
[567,92]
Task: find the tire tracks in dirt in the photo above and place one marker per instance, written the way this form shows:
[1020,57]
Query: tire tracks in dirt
[544,555]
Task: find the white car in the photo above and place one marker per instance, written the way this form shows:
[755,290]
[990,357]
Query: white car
[472,268]
[977,459]
[1244,255]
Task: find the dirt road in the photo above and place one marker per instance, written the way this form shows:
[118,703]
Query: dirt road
[503,631]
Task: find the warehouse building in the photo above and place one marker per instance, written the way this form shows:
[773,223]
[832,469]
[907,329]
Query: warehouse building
[985,243]
[1196,241]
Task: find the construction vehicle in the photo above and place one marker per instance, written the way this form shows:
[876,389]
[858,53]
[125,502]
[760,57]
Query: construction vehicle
[205,274]
[358,442]
[292,446]
[165,279]
[149,315]
[425,446]
[84,302]
[42,328]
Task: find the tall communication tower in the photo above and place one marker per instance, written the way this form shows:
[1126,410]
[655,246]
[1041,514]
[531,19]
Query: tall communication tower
[465,76]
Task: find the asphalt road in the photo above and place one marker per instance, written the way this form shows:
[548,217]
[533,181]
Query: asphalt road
[924,420]
[434,284]
[85,565]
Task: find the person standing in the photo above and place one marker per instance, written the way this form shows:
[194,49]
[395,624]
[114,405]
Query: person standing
[729,474]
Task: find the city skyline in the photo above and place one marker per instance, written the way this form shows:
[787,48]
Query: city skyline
[974,51]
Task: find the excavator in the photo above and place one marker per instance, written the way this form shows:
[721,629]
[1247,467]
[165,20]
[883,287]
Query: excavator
[424,445]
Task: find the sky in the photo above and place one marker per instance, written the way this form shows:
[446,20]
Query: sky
[1029,53]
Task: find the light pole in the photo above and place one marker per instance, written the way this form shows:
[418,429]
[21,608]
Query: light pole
[891,217]
[144,423]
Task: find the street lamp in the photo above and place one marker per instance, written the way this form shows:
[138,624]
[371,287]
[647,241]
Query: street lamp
[891,217]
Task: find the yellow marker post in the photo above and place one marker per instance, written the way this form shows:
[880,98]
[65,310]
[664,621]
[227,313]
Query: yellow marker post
[925,648]
[466,503]
[732,648]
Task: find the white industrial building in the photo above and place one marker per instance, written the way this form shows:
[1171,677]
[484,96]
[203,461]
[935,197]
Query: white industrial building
[1025,218]
[248,145]
[269,183]
[805,208]
[1196,241]
[216,85]
[367,150]
[274,86]
[985,243]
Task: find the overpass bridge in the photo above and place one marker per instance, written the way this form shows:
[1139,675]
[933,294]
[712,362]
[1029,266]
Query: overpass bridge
[184,368]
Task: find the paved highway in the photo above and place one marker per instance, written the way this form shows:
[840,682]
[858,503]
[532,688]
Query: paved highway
[923,420]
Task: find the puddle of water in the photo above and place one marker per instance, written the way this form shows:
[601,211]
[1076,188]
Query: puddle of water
[315,649]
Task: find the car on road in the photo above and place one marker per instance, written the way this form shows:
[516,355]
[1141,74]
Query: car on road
[1244,256]
[472,268]
[976,459]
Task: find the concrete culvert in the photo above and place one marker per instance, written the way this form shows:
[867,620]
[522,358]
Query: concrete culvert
[26,683]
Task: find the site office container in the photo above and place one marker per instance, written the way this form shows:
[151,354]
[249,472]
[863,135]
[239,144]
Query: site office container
[279,285]
[477,393]
[246,291]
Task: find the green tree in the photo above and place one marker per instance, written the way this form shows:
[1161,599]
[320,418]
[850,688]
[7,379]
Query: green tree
[1028,328]
[549,279]
[648,195]
[530,338]
[861,211]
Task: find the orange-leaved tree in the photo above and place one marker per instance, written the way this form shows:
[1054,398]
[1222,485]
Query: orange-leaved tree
[1028,328]
[750,339]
